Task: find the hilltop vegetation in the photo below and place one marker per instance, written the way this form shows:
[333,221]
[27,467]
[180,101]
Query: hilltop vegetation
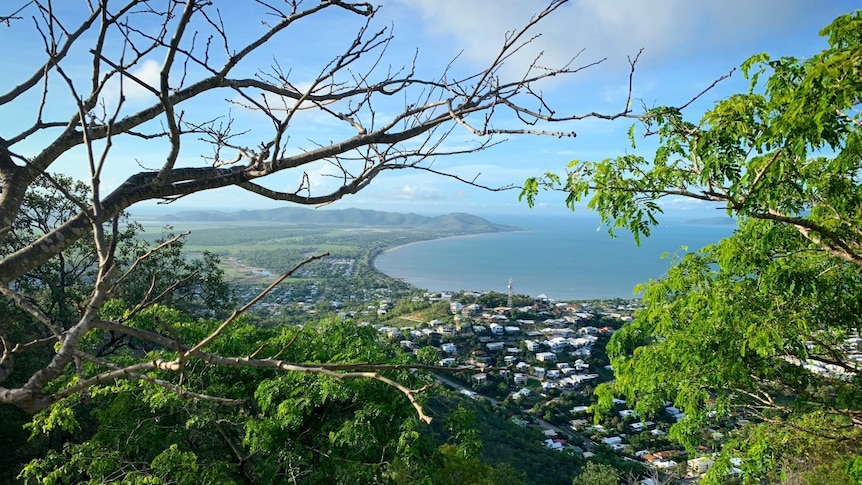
[767,322]
[145,360]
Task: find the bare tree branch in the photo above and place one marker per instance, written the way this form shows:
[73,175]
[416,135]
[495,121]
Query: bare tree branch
[387,117]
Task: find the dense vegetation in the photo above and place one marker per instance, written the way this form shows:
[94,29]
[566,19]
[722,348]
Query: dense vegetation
[298,428]
[763,325]
[129,360]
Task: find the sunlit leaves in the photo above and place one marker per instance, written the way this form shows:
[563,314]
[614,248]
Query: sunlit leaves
[758,322]
[315,428]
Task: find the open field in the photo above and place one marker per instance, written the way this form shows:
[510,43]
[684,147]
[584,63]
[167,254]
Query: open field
[254,253]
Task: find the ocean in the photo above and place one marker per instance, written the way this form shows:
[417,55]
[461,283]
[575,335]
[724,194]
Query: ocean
[564,257]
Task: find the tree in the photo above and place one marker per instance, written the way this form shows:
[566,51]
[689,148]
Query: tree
[597,474]
[62,282]
[290,427]
[97,120]
[763,324]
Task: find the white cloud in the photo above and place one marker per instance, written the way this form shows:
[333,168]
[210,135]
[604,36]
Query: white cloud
[667,29]
[413,193]
[147,72]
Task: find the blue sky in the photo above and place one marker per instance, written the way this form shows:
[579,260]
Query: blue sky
[687,44]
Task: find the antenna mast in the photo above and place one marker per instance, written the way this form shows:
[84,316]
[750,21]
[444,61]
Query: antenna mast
[509,303]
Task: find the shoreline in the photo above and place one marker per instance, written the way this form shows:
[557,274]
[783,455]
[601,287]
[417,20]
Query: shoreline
[378,252]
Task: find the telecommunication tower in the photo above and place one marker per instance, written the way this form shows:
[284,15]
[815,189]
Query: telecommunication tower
[509,301]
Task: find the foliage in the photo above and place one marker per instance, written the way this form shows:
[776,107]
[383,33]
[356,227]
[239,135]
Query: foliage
[760,323]
[214,119]
[59,285]
[302,427]
[494,299]
[597,474]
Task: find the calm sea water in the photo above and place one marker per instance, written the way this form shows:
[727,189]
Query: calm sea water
[563,257]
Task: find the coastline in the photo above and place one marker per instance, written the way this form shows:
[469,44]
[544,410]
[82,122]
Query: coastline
[562,258]
[372,259]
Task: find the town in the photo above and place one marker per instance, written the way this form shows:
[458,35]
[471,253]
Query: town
[536,359]
[541,361]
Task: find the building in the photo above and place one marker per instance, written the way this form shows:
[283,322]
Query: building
[546,357]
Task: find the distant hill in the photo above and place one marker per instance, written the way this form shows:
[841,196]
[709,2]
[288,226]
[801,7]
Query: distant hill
[453,223]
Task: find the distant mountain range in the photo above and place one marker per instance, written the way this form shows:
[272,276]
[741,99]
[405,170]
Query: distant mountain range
[456,222]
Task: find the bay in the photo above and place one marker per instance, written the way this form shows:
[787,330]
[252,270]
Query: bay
[564,257]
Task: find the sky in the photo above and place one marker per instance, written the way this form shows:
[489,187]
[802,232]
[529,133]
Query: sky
[686,46]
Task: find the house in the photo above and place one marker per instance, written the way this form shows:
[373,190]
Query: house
[522,393]
[532,345]
[580,342]
[558,344]
[612,440]
[479,329]
[449,348]
[553,444]
[521,379]
[495,346]
[496,329]
[539,372]
[579,409]
[511,330]
[546,357]
[567,371]
[471,309]
[675,413]
[480,378]
[578,424]
[582,352]
[456,307]
[699,466]
[446,329]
